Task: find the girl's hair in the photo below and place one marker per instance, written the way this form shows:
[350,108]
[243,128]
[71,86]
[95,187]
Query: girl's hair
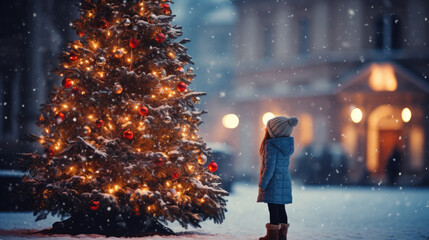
[262,149]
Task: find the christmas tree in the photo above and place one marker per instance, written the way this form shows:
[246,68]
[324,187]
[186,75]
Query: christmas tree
[122,155]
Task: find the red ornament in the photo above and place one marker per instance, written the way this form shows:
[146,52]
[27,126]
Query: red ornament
[104,24]
[128,135]
[73,56]
[67,83]
[158,162]
[80,33]
[180,69]
[137,211]
[160,37]
[49,152]
[99,123]
[77,90]
[134,42]
[143,111]
[212,167]
[175,175]
[181,86]
[165,9]
[94,205]
[60,117]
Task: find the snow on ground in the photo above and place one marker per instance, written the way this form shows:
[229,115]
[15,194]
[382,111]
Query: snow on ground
[317,213]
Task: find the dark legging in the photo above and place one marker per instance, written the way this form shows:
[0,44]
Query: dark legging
[277,213]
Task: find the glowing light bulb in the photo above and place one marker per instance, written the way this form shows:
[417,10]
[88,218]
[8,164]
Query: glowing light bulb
[356,115]
[406,115]
[267,116]
[230,121]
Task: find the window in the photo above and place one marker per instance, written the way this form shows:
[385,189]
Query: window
[387,33]
[269,41]
[304,43]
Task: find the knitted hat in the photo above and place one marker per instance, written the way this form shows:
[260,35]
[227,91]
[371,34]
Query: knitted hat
[281,126]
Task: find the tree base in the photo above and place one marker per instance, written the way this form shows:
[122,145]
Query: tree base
[132,227]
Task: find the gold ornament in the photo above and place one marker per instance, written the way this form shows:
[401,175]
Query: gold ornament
[189,169]
[117,88]
[119,53]
[86,130]
[202,159]
[127,22]
[101,61]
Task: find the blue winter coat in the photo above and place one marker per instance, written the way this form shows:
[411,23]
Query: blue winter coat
[274,183]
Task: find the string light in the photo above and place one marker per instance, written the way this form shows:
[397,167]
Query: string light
[94,45]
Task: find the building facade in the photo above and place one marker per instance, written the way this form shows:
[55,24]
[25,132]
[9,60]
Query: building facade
[33,35]
[353,71]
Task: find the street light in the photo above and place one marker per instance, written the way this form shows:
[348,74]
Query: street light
[356,115]
[230,121]
[406,115]
[267,116]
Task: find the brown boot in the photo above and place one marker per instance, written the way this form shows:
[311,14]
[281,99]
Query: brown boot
[283,231]
[272,232]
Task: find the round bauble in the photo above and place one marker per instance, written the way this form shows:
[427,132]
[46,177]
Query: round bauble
[101,61]
[73,56]
[158,162]
[134,42]
[167,120]
[143,110]
[202,159]
[117,88]
[180,69]
[94,205]
[175,175]
[103,24]
[67,83]
[49,152]
[152,18]
[77,90]
[165,9]
[119,53]
[60,117]
[181,86]
[99,123]
[190,70]
[212,167]
[127,22]
[160,37]
[80,33]
[86,130]
[128,134]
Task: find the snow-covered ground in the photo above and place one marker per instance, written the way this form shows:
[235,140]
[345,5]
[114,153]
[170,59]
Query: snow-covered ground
[317,213]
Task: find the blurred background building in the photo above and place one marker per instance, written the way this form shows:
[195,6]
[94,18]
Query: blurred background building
[353,71]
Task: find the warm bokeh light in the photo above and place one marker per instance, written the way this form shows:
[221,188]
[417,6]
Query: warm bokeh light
[267,116]
[406,114]
[356,115]
[230,121]
[383,78]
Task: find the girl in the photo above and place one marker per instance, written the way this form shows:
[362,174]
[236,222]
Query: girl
[275,186]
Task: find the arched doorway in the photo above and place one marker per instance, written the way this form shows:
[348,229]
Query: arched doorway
[385,131]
